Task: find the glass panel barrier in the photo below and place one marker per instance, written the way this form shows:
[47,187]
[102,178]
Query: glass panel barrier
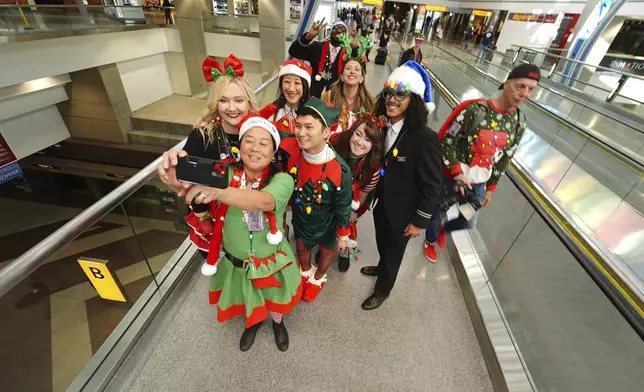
[54,319]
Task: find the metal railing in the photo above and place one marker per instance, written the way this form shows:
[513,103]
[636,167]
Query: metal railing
[24,265]
[557,65]
[627,153]
[26,19]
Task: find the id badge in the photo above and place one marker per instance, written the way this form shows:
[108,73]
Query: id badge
[256,221]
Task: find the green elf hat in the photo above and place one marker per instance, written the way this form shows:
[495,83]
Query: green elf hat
[325,113]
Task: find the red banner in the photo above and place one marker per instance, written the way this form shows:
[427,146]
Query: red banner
[6,154]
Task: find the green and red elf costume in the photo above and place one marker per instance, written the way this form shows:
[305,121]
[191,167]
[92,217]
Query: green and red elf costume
[327,60]
[321,202]
[251,265]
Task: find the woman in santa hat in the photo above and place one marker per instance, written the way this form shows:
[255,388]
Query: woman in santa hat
[362,148]
[251,265]
[294,91]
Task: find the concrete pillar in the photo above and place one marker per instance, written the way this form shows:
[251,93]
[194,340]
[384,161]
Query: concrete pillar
[231,7]
[272,34]
[189,21]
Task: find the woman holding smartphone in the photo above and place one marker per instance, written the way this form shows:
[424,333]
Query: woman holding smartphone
[251,266]
[216,134]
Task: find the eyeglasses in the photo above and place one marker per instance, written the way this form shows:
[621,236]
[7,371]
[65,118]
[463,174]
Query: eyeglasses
[398,95]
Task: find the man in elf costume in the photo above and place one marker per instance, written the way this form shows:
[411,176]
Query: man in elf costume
[323,193]
[477,142]
[326,58]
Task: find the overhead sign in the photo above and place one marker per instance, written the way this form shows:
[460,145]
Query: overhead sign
[438,8]
[9,172]
[6,153]
[623,64]
[105,283]
[372,2]
[538,18]
[481,13]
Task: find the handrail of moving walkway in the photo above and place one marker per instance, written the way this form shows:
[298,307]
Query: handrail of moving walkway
[28,262]
[628,300]
[630,161]
[630,75]
[612,115]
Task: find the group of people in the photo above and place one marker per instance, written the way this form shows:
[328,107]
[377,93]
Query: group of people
[328,149]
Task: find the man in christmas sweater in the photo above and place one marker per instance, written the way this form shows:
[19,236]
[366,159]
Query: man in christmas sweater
[321,202]
[477,142]
[326,58]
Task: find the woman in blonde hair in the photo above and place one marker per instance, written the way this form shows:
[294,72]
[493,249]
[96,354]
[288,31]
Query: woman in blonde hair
[350,94]
[216,134]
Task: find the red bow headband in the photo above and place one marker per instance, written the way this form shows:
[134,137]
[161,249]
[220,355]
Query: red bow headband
[212,70]
[381,121]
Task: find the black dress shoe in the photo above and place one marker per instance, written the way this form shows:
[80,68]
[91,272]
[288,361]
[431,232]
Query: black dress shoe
[370,270]
[374,301]
[248,337]
[281,335]
[343,263]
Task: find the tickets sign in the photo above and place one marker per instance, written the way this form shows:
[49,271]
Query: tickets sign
[6,153]
[538,18]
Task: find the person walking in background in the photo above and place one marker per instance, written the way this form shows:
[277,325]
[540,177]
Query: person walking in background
[414,53]
[326,58]
[485,49]
[410,179]
[478,140]
[167,10]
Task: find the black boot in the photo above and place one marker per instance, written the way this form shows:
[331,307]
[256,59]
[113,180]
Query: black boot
[248,337]
[281,335]
[343,263]
[374,301]
[370,270]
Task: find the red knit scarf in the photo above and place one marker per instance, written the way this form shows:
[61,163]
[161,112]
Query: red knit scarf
[325,52]
[220,213]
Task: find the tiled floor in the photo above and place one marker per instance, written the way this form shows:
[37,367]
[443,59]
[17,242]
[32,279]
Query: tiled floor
[421,339]
[173,109]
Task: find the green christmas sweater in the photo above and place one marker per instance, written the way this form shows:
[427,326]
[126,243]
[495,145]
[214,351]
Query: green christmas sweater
[481,151]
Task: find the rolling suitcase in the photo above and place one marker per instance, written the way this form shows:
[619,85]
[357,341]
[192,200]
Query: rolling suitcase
[381,56]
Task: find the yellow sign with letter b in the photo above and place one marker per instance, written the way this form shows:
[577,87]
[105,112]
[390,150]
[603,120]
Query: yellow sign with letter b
[105,283]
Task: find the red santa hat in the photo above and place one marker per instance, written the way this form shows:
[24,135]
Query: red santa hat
[298,68]
[253,120]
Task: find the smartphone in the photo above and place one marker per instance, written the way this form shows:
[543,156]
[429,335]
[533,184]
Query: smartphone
[203,171]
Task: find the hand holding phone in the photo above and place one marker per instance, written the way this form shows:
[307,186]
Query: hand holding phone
[203,171]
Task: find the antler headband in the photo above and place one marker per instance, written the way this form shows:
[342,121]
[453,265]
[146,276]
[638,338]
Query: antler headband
[212,70]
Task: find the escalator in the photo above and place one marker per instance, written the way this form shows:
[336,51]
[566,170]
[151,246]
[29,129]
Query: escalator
[545,295]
